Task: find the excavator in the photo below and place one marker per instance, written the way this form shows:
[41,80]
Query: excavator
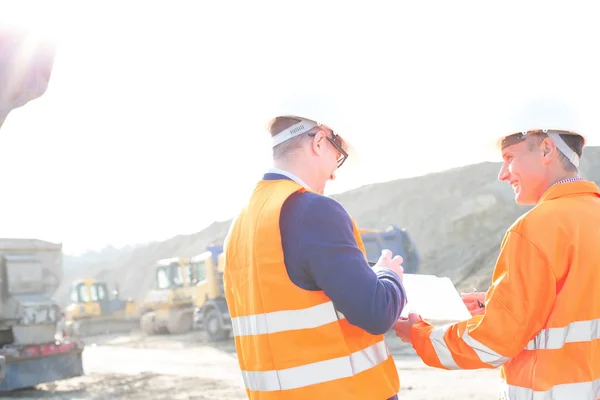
[93,312]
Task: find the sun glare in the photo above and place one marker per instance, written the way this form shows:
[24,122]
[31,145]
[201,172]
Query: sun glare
[39,20]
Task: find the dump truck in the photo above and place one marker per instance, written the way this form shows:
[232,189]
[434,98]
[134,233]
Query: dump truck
[92,311]
[168,307]
[30,273]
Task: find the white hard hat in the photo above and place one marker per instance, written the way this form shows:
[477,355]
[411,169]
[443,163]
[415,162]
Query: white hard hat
[543,113]
[314,109]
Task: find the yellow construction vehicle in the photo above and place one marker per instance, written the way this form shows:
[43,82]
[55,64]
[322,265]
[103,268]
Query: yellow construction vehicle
[93,312]
[184,289]
[210,308]
[168,307]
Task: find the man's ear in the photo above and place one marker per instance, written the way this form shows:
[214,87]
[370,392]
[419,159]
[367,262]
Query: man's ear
[549,150]
[317,143]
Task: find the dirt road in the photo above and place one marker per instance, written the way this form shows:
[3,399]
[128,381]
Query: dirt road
[189,367]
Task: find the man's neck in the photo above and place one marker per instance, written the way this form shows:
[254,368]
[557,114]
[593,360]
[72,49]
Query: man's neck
[563,176]
[300,173]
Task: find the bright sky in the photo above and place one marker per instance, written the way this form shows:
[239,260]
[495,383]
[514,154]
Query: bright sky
[152,124]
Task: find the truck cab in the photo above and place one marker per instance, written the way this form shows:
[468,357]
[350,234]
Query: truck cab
[395,239]
[210,308]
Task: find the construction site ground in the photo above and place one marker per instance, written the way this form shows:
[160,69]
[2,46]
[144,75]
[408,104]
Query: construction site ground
[189,366]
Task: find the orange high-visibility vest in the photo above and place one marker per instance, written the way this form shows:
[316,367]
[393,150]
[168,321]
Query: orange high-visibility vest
[291,343]
[542,312]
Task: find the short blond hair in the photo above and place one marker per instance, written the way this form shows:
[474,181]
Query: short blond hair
[575,142]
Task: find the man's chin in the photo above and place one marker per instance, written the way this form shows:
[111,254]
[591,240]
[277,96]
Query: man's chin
[523,201]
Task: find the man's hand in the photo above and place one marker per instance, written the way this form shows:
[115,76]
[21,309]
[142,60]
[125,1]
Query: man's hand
[386,261]
[404,325]
[474,302]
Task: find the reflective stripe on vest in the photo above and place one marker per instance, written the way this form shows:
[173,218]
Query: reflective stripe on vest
[567,391]
[485,354]
[319,372]
[555,338]
[550,338]
[287,320]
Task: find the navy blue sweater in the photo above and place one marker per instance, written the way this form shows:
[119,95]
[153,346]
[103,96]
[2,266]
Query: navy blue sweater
[320,253]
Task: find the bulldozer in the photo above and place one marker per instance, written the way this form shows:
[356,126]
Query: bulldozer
[168,307]
[186,291]
[93,312]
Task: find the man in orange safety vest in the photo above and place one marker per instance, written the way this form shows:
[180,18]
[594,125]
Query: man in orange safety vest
[309,314]
[541,317]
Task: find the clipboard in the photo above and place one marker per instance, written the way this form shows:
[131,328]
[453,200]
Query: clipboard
[434,298]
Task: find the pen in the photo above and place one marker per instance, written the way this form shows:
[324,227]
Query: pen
[479,303]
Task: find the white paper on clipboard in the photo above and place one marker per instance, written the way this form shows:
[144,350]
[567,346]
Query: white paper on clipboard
[433,298]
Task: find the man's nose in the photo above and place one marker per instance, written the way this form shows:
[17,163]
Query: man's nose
[503,174]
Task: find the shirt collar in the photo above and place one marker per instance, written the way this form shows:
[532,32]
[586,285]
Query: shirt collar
[575,179]
[569,188]
[289,175]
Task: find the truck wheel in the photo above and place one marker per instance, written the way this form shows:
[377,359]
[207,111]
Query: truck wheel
[68,330]
[180,323]
[213,326]
[147,323]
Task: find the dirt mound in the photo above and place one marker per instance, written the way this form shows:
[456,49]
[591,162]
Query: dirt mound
[457,219]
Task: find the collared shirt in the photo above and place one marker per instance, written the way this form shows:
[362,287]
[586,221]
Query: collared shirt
[321,254]
[289,175]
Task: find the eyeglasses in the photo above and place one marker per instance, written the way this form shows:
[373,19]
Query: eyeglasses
[338,143]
